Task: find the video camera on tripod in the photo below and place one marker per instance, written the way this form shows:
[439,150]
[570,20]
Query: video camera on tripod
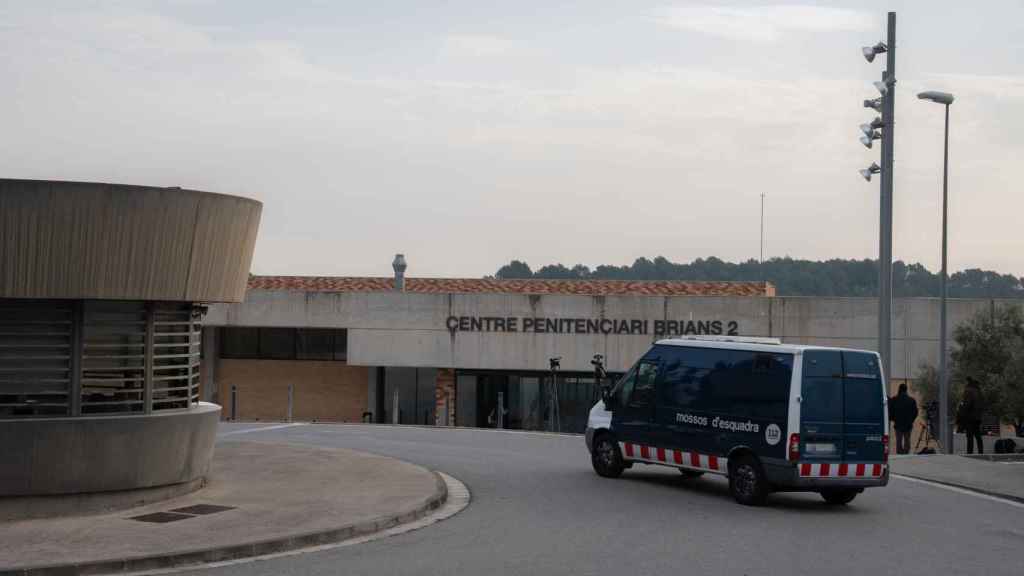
[600,376]
[931,417]
[931,429]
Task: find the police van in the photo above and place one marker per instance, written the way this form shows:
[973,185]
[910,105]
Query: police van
[771,417]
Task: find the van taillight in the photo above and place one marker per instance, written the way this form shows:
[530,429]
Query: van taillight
[794,447]
[885,448]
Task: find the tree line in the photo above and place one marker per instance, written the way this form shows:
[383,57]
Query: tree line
[791,277]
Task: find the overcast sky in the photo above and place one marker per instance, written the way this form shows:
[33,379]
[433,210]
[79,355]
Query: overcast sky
[466,135]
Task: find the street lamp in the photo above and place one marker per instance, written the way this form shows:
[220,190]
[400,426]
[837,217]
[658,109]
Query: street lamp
[946,431]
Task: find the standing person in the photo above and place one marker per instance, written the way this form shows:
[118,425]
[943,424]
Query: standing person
[969,415]
[903,413]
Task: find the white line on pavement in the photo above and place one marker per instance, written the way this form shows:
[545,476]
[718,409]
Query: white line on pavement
[262,428]
[961,491]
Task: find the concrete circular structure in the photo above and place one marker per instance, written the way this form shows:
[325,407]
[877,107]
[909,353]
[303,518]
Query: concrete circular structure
[102,293]
[82,240]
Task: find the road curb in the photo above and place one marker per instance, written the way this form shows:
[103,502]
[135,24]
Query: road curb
[244,550]
[966,487]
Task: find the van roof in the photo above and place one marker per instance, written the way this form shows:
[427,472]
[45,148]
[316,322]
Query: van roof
[749,344]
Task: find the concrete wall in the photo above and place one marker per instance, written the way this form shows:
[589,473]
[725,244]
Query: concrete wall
[405,329]
[45,456]
[323,390]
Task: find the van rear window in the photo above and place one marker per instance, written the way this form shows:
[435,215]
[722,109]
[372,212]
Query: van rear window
[821,396]
[862,383]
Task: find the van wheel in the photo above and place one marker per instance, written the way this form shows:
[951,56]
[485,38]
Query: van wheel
[690,473]
[747,482]
[606,458]
[839,497]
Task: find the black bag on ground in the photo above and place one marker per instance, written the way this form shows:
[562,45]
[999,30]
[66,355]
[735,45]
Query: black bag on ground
[1005,446]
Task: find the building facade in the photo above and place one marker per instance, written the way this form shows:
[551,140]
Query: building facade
[478,352]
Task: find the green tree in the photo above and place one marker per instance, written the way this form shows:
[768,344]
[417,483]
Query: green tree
[514,269]
[987,348]
[1011,386]
[926,384]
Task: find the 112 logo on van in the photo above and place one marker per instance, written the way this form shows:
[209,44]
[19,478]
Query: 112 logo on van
[772,434]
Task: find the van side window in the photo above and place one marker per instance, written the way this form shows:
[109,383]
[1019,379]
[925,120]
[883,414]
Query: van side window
[690,374]
[643,389]
[757,385]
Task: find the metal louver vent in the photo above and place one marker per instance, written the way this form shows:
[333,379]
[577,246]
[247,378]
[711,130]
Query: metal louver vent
[97,357]
[113,357]
[175,357]
[35,358]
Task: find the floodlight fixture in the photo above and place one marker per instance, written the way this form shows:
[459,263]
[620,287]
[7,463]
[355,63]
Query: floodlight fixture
[875,104]
[867,139]
[873,169]
[869,129]
[871,51]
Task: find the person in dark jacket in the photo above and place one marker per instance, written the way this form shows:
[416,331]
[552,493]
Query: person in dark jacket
[969,415]
[903,413]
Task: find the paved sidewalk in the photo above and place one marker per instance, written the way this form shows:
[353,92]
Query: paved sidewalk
[280,497]
[1005,479]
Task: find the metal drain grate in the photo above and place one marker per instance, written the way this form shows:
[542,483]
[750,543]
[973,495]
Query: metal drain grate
[202,509]
[161,517]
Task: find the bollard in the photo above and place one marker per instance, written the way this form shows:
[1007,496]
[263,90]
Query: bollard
[501,410]
[234,402]
[394,408]
[291,396]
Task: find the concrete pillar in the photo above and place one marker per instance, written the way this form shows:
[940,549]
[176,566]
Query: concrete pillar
[371,393]
[444,398]
[208,367]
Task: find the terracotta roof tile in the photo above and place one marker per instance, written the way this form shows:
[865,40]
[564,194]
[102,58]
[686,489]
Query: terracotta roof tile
[495,286]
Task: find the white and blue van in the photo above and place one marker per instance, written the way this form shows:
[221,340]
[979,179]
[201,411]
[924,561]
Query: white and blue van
[771,417]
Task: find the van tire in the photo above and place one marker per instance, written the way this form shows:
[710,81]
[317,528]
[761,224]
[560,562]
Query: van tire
[690,473]
[747,481]
[606,457]
[839,497]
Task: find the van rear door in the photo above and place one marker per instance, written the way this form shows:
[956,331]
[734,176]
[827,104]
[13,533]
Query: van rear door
[863,405]
[821,407]
[841,407]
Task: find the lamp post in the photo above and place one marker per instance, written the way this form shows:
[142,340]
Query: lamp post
[945,426]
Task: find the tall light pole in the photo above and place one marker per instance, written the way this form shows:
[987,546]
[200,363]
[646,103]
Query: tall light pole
[946,427]
[761,262]
[882,128]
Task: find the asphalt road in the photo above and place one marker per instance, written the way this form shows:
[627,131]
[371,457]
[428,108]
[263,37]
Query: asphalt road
[537,508]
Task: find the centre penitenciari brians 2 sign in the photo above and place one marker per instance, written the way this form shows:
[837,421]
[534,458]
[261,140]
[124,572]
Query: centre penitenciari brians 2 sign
[543,325]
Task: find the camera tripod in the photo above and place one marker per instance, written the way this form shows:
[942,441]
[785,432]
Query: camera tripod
[926,438]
